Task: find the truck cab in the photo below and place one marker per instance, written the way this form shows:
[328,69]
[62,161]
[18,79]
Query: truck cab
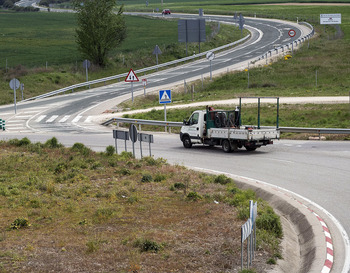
[193,129]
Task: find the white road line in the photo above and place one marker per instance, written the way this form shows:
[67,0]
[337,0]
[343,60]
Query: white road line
[13,121]
[40,118]
[52,118]
[76,119]
[18,117]
[88,119]
[64,119]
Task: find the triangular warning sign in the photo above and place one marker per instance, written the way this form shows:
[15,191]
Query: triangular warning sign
[131,77]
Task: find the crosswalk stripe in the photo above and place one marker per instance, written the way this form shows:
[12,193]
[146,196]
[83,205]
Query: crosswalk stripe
[88,119]
[52,118]
[64,119]
[76,119]
[40,118]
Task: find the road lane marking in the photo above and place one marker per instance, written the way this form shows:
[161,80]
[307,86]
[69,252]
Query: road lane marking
[64,119]
[76,119]
[40,118]
[52,119]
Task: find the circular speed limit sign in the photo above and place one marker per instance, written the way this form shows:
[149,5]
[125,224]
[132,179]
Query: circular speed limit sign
[291,33]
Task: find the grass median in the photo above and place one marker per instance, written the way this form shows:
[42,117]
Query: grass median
[74,209]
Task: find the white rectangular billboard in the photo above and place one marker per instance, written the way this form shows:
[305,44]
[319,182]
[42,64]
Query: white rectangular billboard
[330,19]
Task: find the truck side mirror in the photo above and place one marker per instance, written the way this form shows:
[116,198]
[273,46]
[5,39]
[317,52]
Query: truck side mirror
[185,122]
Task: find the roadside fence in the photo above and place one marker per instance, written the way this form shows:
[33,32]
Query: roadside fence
[248,232]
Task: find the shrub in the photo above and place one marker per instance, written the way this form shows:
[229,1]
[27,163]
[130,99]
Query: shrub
[53,143]
[194,196]
[20,223]
[159,177]
[81,148]
[146,178]
[110,150]
[179,186]
[270,222]
[146,245]
[222,179]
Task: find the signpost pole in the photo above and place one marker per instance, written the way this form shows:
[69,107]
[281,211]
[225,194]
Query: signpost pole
[132,92]
[165,116]
[14,94]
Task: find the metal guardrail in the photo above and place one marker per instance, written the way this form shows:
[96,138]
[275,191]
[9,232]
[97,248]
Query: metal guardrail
[119,76]
[179,124]
[291,44]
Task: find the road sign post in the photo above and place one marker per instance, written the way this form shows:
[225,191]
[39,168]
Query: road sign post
[144,83]
[133,137]
[156,52]
[86,65]
[131,77]
[210,56]
[14,85]
[164,98]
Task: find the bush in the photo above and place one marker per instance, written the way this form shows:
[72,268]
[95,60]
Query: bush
[146,245]
[146,178]
[81,148]
[159,177]
[270,222]
[20,223]
[52,143]
[110,150]
[194,196]
[222,179]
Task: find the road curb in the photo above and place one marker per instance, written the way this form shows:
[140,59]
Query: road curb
[306,229]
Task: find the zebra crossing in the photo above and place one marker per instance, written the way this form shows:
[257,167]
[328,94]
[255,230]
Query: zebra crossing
[63,119]
[25,123]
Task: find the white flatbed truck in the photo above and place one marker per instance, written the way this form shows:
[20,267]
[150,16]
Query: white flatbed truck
[218,127]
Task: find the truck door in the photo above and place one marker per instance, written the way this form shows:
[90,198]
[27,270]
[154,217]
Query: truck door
[194,128]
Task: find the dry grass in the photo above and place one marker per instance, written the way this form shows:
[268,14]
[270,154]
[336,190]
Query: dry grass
[92,213]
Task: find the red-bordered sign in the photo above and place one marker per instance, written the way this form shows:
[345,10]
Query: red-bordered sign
[291,33]
[131,77]
[144,82]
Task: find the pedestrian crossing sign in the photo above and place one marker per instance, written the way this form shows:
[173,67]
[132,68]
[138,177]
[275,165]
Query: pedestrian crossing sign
[131,77]
[165,96]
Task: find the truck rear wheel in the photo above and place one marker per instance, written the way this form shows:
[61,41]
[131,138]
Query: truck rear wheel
[226,146]
[186,141]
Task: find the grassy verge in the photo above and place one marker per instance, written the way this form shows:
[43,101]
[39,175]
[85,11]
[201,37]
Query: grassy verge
[26,48]
[290,115]
[73,208]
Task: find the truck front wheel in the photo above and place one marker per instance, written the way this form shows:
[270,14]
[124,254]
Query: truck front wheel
[226,146]
[187,142]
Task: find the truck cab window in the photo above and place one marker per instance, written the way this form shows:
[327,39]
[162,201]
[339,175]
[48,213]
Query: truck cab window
[194,118]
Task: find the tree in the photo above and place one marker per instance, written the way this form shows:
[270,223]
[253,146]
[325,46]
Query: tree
[99,28]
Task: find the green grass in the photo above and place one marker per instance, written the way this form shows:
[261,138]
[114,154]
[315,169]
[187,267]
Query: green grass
[90,214]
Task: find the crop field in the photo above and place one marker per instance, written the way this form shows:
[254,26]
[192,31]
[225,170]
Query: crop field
[73,210]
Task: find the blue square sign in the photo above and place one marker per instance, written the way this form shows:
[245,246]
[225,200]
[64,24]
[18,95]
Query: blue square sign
[165,96]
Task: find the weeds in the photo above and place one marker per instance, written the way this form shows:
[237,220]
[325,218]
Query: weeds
[75,193]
